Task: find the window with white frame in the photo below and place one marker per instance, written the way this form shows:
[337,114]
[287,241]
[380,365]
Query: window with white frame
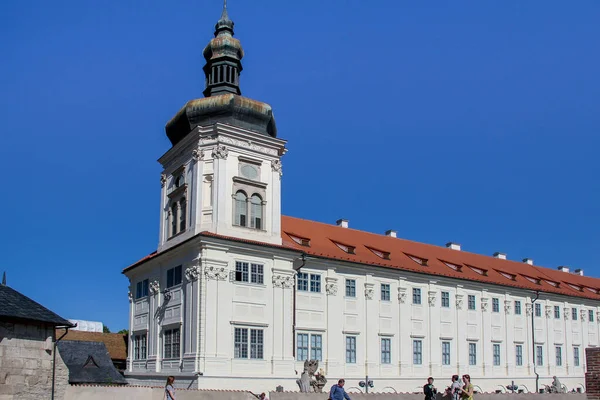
[174,276]
[315,283]
[244,207]
[244,339]
[445,299]
[385,292]
[556,312]
[576,356]
[302,280]
[249,272]
[519,355]
[351,349]
[495,305]
[538,310]
[309,344]
[472,353]
[141,289]
[350,288]
[177,209]
[171,340]
[386,350]
[416,294]
[471,302]
[308,282]
[445,353]
[517,307]
[558,353]
[496,354]
[140,347]
[417,352]
[591,315]
[574,314]
[539,355]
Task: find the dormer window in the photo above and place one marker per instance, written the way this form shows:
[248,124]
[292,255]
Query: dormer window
[507,275]
[344,247]
[455,267]
[418,260]
[300,240]
[532,280]
[380,253]
[478,270]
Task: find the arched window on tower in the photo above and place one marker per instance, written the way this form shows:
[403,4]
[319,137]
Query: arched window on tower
[241,210]
[256,212]
[183,214]
[174,219]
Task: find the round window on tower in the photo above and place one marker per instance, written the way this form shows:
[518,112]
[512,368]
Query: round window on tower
[249,172]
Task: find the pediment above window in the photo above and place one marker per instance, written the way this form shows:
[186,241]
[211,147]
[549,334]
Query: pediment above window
[249,182]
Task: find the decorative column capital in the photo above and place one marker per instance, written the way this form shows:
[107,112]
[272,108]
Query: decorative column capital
[220,152]
[130,294]
[402,294]
[192,273]
[507,305]
[566,312]
[216,273]
[276,166]
[583,315]
[369,291]
[331,288]
[459,301]
[154,286]
[484,304]
[283,281]
[548,311]
[528,309]
[163,180]
[432,298]
[197,154]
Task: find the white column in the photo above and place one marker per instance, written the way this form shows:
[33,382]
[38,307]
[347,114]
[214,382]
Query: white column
[334,355]
[460,346]
[371,328]
[130,339]
[485,346]
[404,339]
[509,335]
[433,320]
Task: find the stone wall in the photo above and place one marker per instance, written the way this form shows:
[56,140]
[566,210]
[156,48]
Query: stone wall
[26,362]
[85,392]
[410,396]
[592,373]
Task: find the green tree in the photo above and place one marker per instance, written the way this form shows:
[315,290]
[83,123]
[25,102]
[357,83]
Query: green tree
[105,329]
[124,332]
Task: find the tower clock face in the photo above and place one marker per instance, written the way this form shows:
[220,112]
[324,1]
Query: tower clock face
[249,172]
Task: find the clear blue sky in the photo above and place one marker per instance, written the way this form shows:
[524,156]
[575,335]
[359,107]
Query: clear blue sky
[472,121]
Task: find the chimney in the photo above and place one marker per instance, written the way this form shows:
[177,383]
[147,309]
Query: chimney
[528,261]
[390,233]
[342,222]
[579,272]
[499,255]
[453,246]
[563,268]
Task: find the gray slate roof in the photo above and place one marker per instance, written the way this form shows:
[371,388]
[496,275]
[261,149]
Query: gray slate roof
[16,306]
[89,362]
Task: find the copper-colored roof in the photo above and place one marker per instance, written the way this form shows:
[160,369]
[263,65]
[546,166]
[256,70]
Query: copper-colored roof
[116,343]
[329,241]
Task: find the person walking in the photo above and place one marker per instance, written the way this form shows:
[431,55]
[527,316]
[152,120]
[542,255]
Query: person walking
[169,389]
[337,392]
[429,390]
[466,393]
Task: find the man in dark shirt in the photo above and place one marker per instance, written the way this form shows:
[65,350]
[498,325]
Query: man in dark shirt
[429,390]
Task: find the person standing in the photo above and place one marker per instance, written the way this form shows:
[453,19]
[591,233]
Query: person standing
[337,392]
[455,387]
[466,393]
[169,389]
[429,390]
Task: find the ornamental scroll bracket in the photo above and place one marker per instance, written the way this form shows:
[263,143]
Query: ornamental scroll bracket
[432,297]
[484,304]
[283,281]
[402,294]
[192,273]
[528,309]
[459,301]
[331,289]
[369,291]
[154,287]
[507,305]
[216,273]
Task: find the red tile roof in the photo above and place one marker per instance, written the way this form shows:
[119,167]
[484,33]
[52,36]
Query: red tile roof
[345,244]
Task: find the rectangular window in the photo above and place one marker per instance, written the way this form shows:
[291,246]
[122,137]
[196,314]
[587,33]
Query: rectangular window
[538,310]
[445,299]
[385,292]
[496,354]
[171,343]
[591,315]
[417,352]
[174,276]
[576,356]
[556,312]
[241,271]
[142,289]
[315,283]
[495,305]
[471,301]
[519,354]
[416,296]
[241,344]
[386,351]
[574,314]
[472,353]
[140,347]
[517,307]
[257,274]
[539,355]
[316,347]
[302,347]
[445,353]
[558,351]
[302,281]
[351,349]
[350,288]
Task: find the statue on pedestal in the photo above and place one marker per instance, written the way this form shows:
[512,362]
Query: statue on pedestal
[311,380]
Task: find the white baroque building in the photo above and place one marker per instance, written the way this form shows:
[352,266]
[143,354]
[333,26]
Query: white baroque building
[237,296]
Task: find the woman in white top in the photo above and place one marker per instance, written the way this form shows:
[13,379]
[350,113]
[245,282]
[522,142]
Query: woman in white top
[169,389]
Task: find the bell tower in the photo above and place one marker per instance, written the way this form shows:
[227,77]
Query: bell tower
[222,174]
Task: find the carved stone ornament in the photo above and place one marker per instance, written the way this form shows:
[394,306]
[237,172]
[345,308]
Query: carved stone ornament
[548,311]
[484,304]
[432,297]
[459,301]
[220,152]
[216,273]
[207,139]
[369,291]
[283,281]
[129,294]
[198,154]
[331,289]
[583,315]
[402,295]
[248,145]
[566,312]
[276,166]
[192,273]
[154,287]
[507,304]
[528,309]
[163,180]
[598,316]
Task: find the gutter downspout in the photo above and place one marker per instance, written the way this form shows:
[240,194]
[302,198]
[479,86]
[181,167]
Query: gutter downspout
[54,355]
[537,376]
[294,306]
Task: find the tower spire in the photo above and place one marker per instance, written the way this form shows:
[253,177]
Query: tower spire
[224,15]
